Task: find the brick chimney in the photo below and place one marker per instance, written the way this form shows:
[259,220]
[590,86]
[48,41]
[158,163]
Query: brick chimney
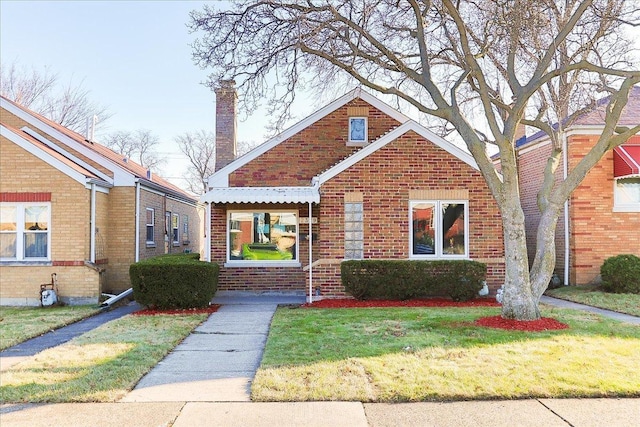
[226,123]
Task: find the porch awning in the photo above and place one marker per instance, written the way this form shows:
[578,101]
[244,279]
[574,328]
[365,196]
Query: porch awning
[626,160]
[262,195]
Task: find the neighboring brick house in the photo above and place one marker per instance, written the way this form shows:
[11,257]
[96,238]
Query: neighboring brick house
[69,206]
[603,212]
[370,182]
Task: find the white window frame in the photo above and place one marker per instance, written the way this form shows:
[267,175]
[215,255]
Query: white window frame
[152,225]
[357,142]
[438,232]
[618,206]
[20,232]
[262,263]
[175,231]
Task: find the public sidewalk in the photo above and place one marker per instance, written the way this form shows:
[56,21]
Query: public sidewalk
[511,413]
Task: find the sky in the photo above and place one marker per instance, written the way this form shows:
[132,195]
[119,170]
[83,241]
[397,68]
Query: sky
[134,58]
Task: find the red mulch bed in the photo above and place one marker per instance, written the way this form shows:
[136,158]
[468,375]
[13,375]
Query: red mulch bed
[428,302]
[543,324]
[180,311]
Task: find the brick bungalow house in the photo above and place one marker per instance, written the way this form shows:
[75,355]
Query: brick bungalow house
[69,206]
[356,179]
[603,213]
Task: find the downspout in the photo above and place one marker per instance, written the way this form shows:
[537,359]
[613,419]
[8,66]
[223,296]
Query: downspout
[565,161]
[137,258]
[207,233]
[92,239]
[310,255]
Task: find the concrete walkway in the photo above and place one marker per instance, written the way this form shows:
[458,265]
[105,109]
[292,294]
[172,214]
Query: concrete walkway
[19,352]
[575,306]
[218,361]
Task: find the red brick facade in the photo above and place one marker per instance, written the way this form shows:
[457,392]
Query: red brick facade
[386,180]
[596,230]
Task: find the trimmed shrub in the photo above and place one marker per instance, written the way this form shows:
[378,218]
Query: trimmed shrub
[621,274]
[401,279]
[174,281]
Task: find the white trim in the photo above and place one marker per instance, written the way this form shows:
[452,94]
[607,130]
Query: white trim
[153,224]
[438,243]
[357,142]
[623,207]
[121,176]
[207,232]
[263,263]
[262,195]
[43,155]
[20,232]
[92,239]
[137,227]
[221,177]
[66,154]
[390,137]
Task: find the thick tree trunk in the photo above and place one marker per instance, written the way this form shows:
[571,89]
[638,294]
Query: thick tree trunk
[519,302]
[545,259]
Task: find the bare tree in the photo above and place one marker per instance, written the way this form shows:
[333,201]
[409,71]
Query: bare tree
[138,146]
[200,149]
[483,66]
[68,105]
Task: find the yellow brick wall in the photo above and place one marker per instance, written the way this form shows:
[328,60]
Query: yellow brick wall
[121,238]
[162,204]
[21,172]
[21,285]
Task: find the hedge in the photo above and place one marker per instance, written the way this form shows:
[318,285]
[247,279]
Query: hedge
[621,274]
[403,279]
[174,281]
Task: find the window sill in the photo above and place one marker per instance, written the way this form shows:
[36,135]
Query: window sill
[357,143]
[439,258]
[176,244]
[151,245]
[627,208]
[258,264]
[25,263]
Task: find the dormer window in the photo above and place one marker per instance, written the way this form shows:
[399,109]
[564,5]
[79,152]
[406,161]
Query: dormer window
[357,131]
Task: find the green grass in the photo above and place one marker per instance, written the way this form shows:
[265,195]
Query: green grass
[413,354]
[18,324]
[594,296]
[99,366]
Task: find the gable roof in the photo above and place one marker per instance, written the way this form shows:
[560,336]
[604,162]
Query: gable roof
[392,136]
[595,118]
[221,178]
[75,171]
[125,171]
[311,194]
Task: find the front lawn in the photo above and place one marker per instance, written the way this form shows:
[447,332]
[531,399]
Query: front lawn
[99,366]
[595,297]
[18,324]
[421,354]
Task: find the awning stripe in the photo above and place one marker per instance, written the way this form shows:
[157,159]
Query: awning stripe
[262,195]
[626,160]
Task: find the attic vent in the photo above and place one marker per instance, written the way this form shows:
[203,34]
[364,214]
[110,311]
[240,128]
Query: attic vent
[149,174]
